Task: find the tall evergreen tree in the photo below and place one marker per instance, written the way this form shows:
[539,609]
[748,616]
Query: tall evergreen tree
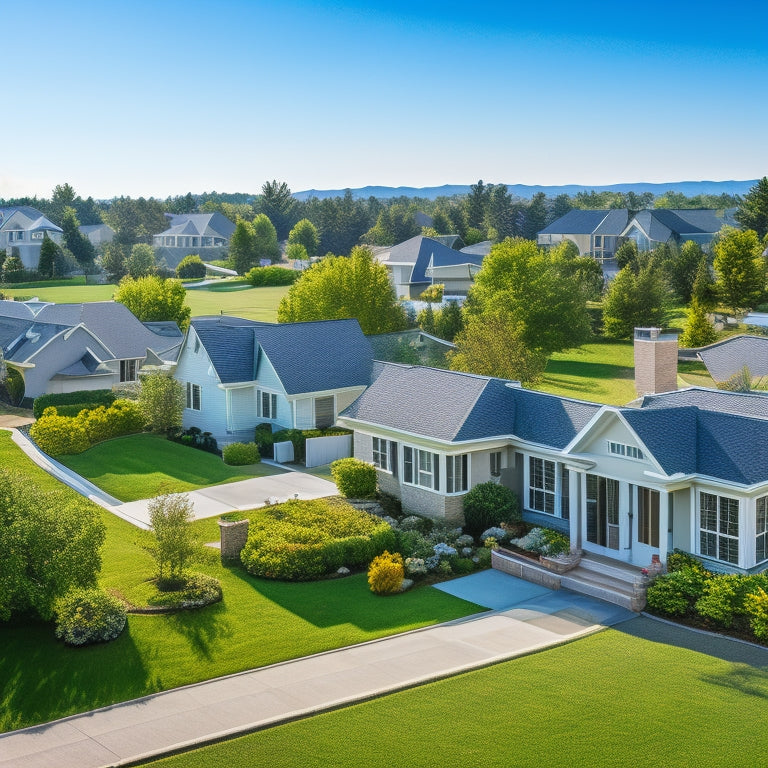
[242,248]
[76,242]
[48,253]
[753,210]
[278,204]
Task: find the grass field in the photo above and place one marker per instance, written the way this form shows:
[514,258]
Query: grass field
[142,466]
[259,622]
[611,700]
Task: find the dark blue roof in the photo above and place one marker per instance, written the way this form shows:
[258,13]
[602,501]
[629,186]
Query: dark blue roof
[578,222]
[669,434]
[753,404]
[439,255]
[732,448]
[307,357]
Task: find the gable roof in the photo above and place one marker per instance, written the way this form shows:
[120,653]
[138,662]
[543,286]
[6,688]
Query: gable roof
[661,224]
[751,404]
[202,224]
[728,357]
[26,218]
[587,222]
[307,357]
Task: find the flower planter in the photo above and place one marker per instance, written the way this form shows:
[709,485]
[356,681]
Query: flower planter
[561,563]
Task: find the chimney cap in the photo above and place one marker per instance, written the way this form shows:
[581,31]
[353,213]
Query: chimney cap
[653,334]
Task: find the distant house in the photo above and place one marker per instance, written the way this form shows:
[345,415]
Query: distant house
[238,373]
[22,230]
[98,234]
[651,228]
[205,234]
[71,347]
[422,261]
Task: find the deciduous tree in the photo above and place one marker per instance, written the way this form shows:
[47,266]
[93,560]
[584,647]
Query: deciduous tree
[698,331]
[141,262]
[634,301]
[304,233]
[174,545]
[684,268]
[161,399]
[265,244]
[153,298]
[242,247]
[740,268]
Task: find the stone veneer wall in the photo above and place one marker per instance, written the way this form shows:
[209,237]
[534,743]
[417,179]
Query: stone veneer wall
[233,538]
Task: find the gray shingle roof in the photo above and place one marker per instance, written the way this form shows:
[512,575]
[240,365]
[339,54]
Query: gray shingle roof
[752,404]
[307,357]
[578,222]
[15,309]
[203,224]
[669,434]
[728,357]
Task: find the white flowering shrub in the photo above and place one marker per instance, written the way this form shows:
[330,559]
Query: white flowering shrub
[415,566]
[86,616]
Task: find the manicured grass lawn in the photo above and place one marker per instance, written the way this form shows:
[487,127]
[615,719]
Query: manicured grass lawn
[63,293]
[259,622]
[143,466]
[602,372]
[610,700]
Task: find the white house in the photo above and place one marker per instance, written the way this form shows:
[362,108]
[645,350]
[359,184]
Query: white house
[22,230]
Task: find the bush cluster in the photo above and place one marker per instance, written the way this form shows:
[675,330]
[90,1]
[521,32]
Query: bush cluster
[355,479]
[386,573]
[433,294]
[86,616]
[544,541]
[239,454]
[305,540]
[299,438]
[489,504]
[263,276]
[190,266]
[58,435]
[85,399]
[264,440]
[194,437]
[196,590]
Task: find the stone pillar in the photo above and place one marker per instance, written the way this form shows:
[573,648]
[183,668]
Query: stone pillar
[233,534]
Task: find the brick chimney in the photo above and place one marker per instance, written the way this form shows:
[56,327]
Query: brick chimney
[655,361]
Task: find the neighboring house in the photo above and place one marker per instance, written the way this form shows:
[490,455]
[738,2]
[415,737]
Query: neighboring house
[726,358]
[205,234]
[417,263]
[652,228]
[71,347]
[98,234]
[22,230]
[239,373]
[686,469]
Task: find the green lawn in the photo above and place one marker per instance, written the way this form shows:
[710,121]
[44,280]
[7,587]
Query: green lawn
[143,466]
[613,699]
[259,622]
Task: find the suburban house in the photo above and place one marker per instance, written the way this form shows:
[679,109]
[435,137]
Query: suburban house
[238,373]
[684,469]
[98,234]
[69,347]
[417,263]
[600,233]
[204,234]
[22,230]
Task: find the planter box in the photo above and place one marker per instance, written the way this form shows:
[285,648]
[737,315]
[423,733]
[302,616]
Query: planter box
[561,564]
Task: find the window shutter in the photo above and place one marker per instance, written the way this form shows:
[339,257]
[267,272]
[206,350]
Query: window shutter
[436,463]
[393,458]
[408,464]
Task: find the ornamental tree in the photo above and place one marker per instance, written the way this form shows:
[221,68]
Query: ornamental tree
[153,298]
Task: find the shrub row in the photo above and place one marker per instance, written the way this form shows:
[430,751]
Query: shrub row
[87,398]
[721,601]
[57,435]
[239,454]
[263,276]
[194,437]
[305,540]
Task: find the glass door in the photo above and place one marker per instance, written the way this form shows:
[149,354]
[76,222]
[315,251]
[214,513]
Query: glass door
[603,512]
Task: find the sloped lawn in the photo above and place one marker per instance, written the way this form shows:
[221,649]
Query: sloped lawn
[258,622]
[143,466]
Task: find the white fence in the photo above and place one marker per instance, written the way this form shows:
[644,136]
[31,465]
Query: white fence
[323,450]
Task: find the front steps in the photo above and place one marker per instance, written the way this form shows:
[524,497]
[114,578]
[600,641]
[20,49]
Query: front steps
[598,577]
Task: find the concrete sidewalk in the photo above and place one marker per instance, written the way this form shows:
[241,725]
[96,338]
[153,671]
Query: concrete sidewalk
[197,714]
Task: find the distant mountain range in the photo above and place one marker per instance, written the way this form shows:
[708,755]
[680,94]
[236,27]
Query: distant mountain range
[526,191]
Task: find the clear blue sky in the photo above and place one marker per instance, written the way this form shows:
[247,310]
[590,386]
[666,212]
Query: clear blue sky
[163,98]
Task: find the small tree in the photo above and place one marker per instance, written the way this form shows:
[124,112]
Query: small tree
[449,321]
[698,331]
[426,319]
[704,286]
[48,253]
[739,267]
[141,262]
[305,233]
[151,299]
[170,517]
[265,244]
[634,300]
[113,261]
[242,247]
[161,399]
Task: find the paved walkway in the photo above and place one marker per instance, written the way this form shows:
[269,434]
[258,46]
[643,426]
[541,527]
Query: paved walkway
[207,502]
[201,713]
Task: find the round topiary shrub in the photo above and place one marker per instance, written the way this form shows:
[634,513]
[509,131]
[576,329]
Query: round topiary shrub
[354,478]
[386,574]
[239,454]
[190,266]
[86,616]
[487,505]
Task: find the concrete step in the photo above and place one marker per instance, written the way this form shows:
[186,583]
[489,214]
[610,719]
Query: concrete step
[617,593]
[628,575]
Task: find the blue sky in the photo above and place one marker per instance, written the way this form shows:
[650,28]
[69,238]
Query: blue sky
[163,98]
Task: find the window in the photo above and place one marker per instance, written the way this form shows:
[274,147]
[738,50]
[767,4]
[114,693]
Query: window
[456,473]
[565,491]
[598,241]
[621,449]
[761,528]
[381,453]
[719,532]
[648,517]
[266,405]
[325,411]
[193,396]
[37,235]
[541,485]
[603,511]
[128,370]
[421,468]
[496,464]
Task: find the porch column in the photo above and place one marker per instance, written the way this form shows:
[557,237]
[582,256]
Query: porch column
[574,502]
[663,525]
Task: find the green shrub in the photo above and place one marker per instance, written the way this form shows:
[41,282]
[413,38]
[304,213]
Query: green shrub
[677,559]
[263,438]
[354,478]
[433,294]
[196,590]
[489,504]
[461,565]
[190,266]
[721,599]
[86,398]
[14,386]
[304,540]
[263,276]
[676,593]
[386,574]
[59,435]
[238,454]
[86,616]
[756,609]
[413,544]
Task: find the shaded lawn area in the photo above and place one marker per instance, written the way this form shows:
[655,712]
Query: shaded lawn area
[259,622]
[618,698]
[602,372]
[143,466]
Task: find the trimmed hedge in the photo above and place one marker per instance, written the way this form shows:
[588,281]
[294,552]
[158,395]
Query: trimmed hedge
[86,398]
[489,504]
[306,540]
[190,266]
[58,435]
[263,276]
[239,454]
[85,616]
[354,478]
